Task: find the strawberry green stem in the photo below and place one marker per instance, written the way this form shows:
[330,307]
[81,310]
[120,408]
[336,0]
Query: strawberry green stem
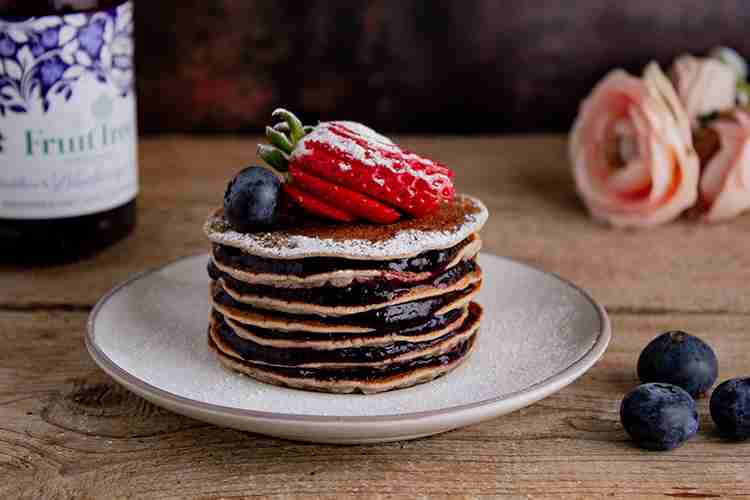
[279,140]
[296,131]
[283,137]
[274,157]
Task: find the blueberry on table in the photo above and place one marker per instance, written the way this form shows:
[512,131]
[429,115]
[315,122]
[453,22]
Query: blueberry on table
[681,359]
[659,416]
[730,408]
[251,198]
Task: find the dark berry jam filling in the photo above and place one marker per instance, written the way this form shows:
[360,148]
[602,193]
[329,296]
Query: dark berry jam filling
[254,352]
[369,373]
[432,324]
[357,293]
[387,318]
[430,261]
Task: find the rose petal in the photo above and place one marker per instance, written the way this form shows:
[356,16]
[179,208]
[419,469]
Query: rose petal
[704,85]
[725,183]
[659,178]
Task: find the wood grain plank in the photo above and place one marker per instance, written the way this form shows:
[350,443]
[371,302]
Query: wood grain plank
[525,181]
[67,431]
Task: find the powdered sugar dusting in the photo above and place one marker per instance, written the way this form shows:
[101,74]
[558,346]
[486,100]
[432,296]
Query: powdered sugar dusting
[403,244]
[365,131]
[534,327]
[385,153]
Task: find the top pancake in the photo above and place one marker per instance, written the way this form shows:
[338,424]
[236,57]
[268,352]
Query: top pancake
[359,241]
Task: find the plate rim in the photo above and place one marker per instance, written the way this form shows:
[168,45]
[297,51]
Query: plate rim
[532,393]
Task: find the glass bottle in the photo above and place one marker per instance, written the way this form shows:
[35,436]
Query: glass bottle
[68,131]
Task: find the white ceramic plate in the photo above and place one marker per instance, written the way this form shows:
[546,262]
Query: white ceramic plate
[539,334]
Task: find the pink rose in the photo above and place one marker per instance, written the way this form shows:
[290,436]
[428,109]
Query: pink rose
[631,150]
[704,85]
[725,180]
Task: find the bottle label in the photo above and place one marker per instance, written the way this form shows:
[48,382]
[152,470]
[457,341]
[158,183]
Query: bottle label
[68,132]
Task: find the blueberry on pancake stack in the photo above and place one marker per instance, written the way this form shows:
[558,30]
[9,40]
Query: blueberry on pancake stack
[347,266]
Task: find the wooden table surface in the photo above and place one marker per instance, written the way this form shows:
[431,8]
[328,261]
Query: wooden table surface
[67,431]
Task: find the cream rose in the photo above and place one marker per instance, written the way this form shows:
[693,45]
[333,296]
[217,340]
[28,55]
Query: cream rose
[631,151]
[704,85]
[725,180]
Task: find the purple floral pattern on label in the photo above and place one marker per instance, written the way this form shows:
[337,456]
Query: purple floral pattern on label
[42,58]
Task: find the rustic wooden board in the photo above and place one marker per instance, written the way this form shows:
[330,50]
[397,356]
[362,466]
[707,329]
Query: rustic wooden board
[67,431]
[536,217]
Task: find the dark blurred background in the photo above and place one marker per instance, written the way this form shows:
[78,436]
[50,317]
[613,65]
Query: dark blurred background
[451,66]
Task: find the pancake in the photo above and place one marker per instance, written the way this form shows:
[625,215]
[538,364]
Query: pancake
[387,318]
[342,308]
[231,344]
[364,380]
[359,293]
[408,237]
[298,307]
[317,271]
[385,351]
[433,328]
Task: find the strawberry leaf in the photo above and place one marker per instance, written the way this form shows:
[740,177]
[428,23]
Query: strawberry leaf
[279,140]
[295,125]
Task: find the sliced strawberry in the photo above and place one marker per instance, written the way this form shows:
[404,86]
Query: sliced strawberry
[374,167]
[355,203]
[315,205]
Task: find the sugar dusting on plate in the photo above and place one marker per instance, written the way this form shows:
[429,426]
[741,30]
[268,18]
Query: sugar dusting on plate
[535,326]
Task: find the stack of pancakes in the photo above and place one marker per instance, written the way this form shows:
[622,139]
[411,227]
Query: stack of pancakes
[347,308]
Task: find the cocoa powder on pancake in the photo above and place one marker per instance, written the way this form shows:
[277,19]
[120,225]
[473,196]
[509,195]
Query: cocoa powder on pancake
[408,237]
[448,218]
